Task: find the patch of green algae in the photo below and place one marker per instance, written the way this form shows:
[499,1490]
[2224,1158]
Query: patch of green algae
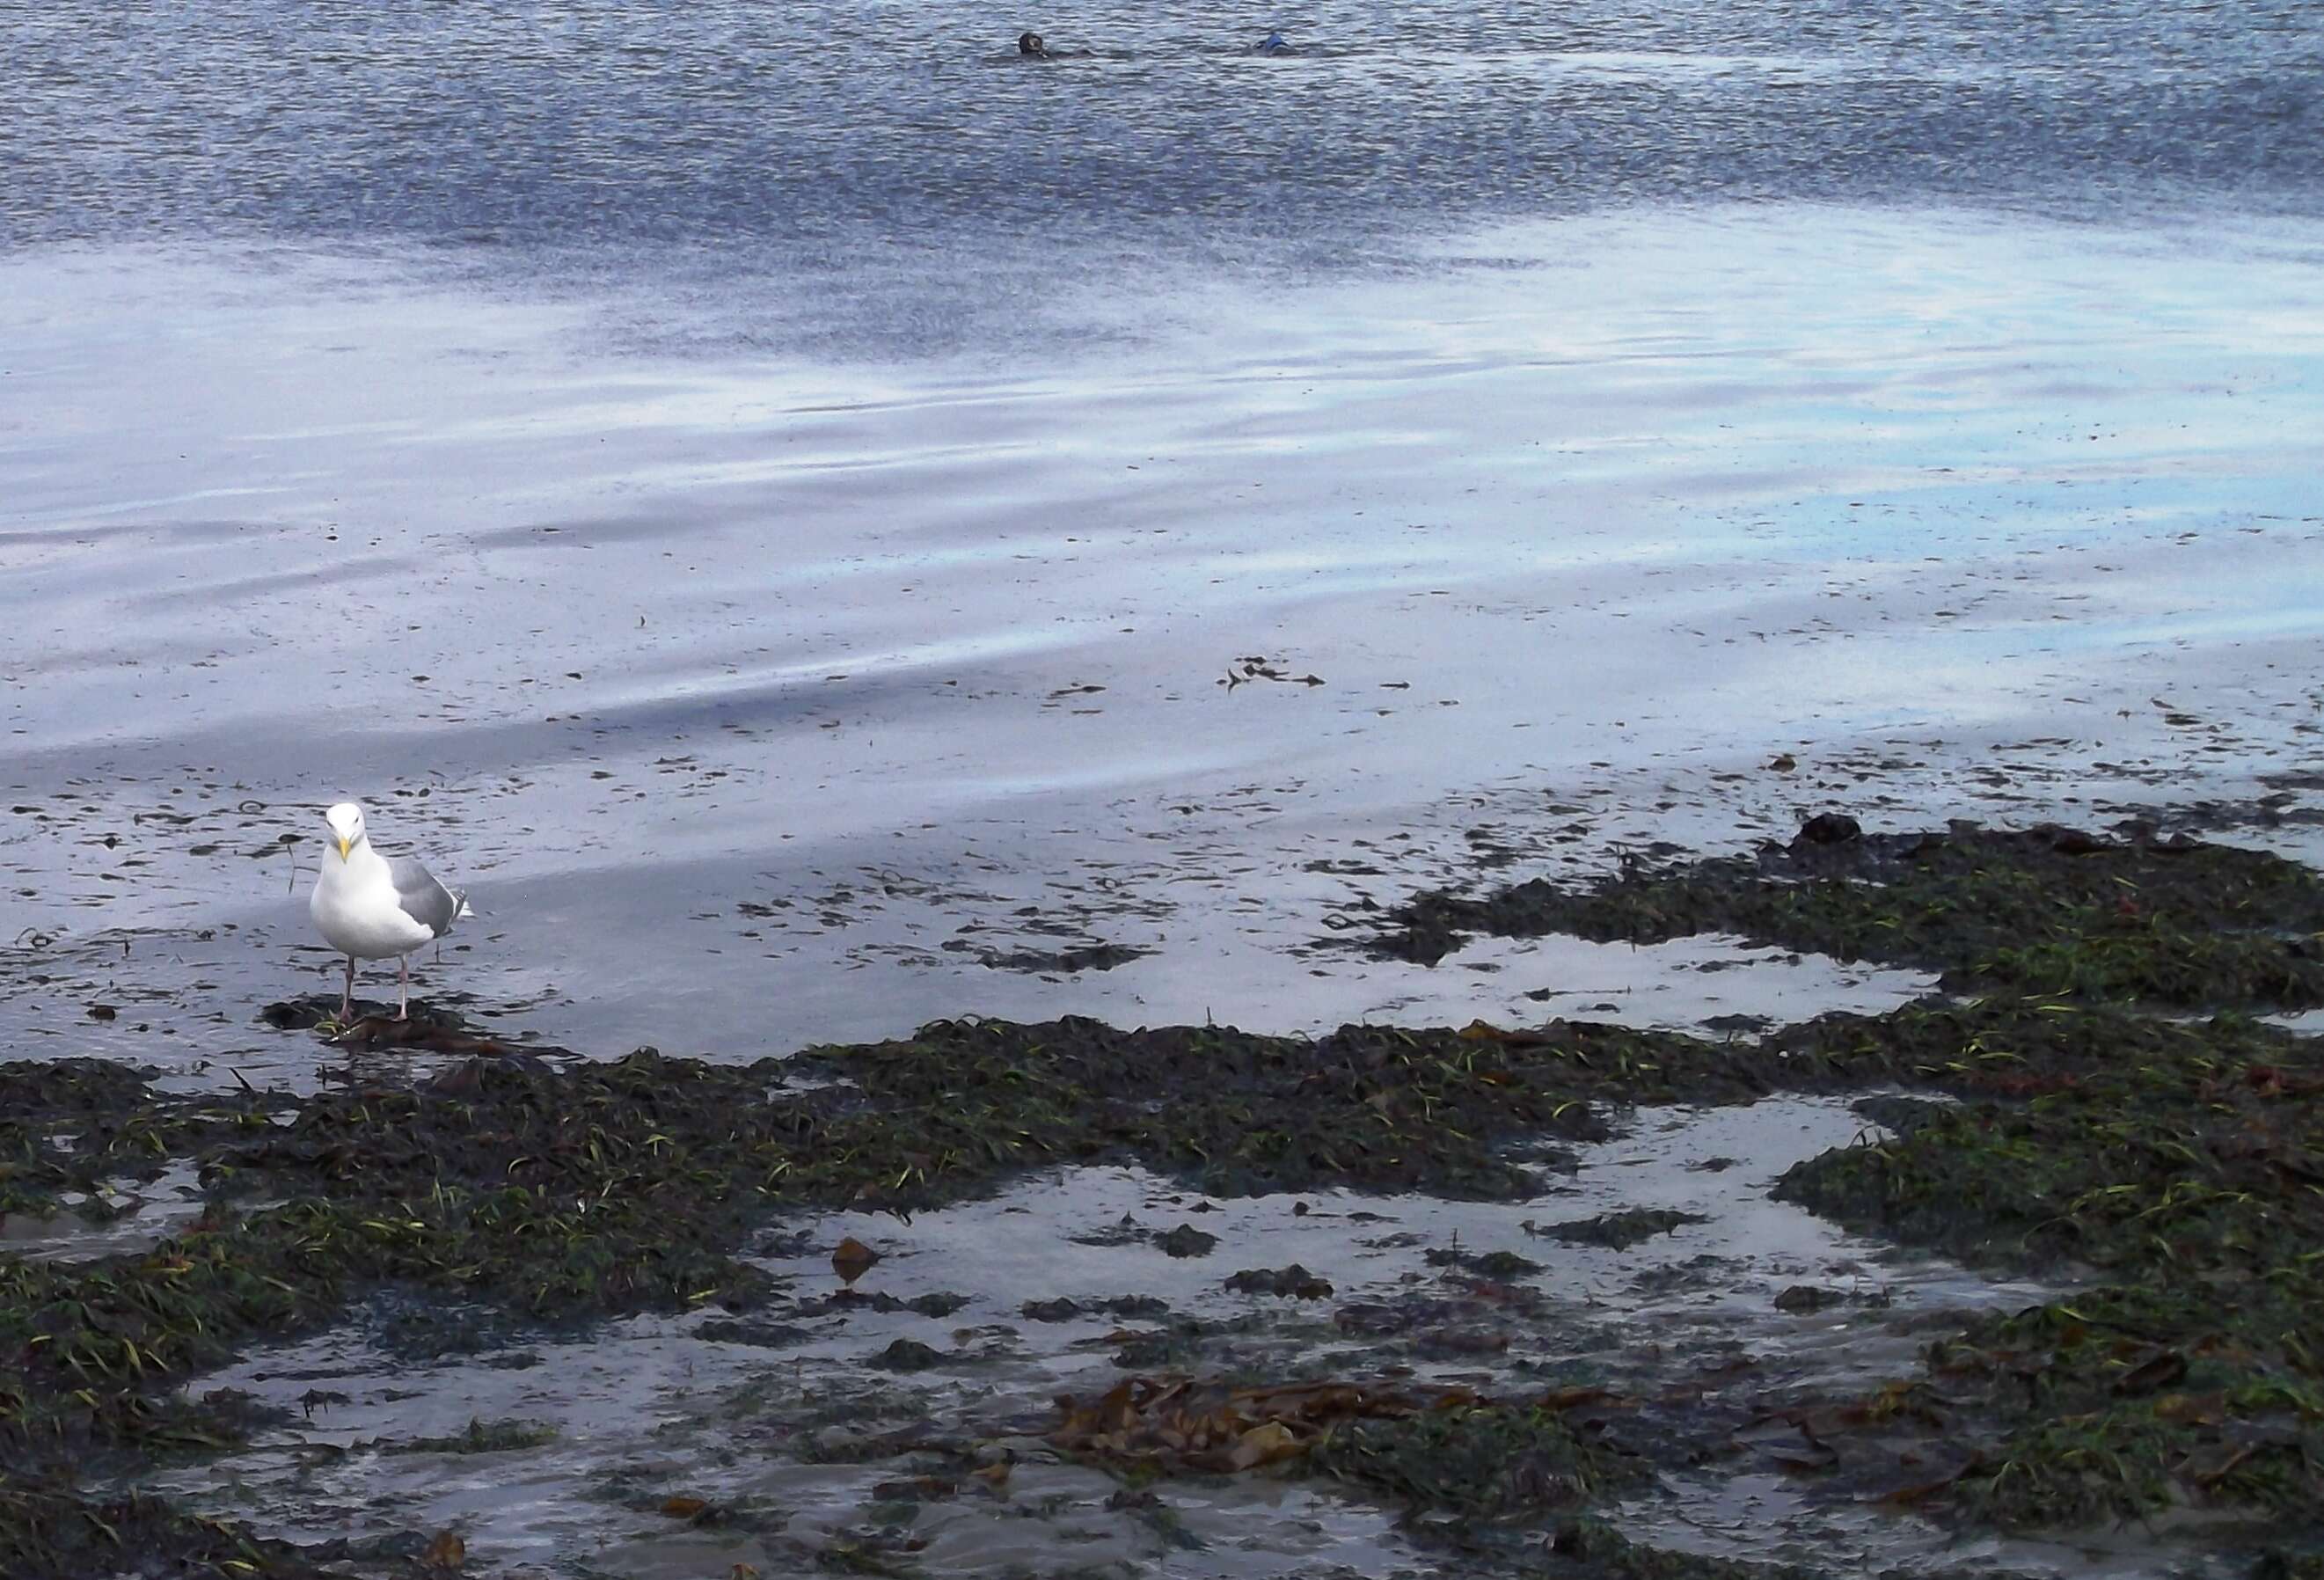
[2045,910]
[2177,1163]
[2181,1166]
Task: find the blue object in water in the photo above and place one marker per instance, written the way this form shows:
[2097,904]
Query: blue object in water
[1273,44]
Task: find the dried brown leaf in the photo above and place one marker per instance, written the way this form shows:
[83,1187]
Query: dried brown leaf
[852,1260]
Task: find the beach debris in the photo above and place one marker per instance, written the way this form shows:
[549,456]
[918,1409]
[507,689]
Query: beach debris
[907,1355]
[1178,1424]
[1261,668]
[852,1259]
[1616,1231]
[2046,909]
[1829,829]
[1075,958]
[1801,1300]
[1293,1283]
[429,1029]
[1185,1240]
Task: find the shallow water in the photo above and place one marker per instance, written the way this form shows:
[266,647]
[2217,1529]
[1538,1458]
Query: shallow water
[759,700]
[777,1419]
[124,1214]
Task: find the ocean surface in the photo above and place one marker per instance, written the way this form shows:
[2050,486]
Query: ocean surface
[800,136]
[818,523]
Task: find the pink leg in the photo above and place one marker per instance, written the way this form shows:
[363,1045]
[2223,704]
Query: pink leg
[403,987]
[347,997]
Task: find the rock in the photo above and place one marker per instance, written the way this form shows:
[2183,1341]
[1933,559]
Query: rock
[760,1334]
[1143,1307]
[1830,829]
[1294,1282]
[1185,1240]
[906,1356]
[1801,1298]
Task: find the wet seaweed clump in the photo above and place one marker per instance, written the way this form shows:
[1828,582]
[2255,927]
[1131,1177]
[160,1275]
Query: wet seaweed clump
[481,1436]
[53,1530]
[907,1355]
[2181,1166]
[1617,1231]
[1186,1240]
[556,1194]
[2051,911]
[1178,1426]
[377,1028]
[1489,1461]
[1066,962]
[2178,1166]
[1490,1265]
[1510,1485]
[1292,1283]
[73,1126]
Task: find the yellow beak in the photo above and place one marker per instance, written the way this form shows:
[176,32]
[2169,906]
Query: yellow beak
[343,850]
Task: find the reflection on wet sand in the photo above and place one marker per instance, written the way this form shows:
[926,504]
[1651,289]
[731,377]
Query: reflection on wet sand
[765,700]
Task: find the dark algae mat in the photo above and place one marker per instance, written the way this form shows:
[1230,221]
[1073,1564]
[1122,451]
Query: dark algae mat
[2092,1094]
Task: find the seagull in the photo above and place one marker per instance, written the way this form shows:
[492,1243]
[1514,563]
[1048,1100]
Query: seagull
[368,907]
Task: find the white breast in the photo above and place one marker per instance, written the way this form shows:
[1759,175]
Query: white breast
[355,908]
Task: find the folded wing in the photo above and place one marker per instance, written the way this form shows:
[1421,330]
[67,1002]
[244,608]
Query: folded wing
[424,899]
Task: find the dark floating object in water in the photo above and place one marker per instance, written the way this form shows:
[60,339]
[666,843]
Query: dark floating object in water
[1030,44]
[1273,44]
[1259,667]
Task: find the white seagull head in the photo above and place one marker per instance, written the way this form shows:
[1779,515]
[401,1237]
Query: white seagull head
[346,827]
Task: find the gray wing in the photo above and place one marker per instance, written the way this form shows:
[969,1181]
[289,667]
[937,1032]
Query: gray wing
[424,900]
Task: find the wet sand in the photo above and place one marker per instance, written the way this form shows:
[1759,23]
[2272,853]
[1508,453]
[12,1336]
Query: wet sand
[759,699]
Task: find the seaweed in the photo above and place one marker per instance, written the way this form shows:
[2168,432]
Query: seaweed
[2050,910]
[2053,1122]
